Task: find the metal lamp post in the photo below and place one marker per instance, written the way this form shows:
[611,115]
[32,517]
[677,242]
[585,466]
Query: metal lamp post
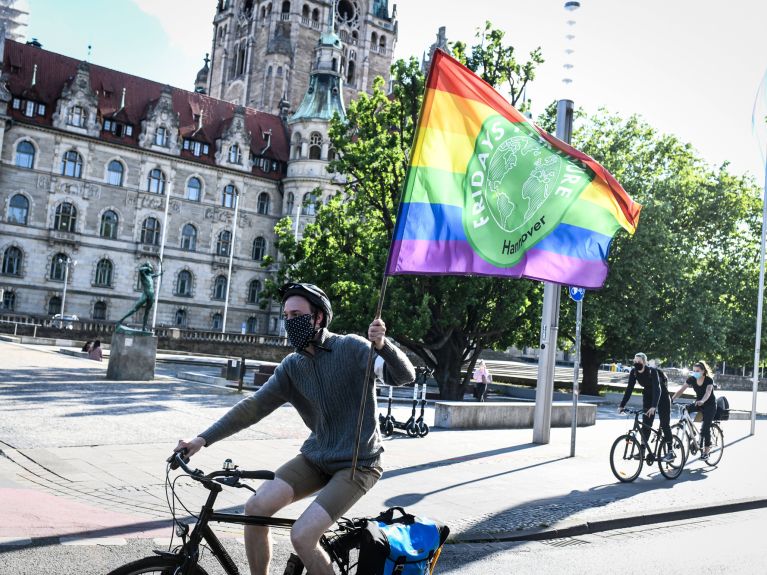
[66,262]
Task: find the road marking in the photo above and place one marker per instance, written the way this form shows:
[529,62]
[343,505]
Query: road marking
[103,541]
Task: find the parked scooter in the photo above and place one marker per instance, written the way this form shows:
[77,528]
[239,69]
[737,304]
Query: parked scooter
[386,423]
[421,427]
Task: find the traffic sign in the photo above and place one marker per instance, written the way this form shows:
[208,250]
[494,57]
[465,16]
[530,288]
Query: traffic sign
[576,293]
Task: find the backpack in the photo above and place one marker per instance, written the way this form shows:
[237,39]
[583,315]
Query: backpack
[722,409]
[407,545]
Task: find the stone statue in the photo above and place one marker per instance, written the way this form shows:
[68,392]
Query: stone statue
[146,300]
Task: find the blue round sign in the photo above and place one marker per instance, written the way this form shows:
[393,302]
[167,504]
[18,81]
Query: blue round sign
[576,293]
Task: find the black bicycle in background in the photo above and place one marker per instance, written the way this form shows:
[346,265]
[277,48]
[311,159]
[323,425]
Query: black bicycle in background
[629,452]
[341,544]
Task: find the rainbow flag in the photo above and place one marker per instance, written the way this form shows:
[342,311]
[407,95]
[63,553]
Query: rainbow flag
[490,193]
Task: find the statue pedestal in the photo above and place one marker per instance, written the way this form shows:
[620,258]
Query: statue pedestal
[132,357]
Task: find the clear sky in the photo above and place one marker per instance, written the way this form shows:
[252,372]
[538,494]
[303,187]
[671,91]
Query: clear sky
[689,67]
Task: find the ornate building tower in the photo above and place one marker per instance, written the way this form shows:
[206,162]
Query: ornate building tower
[262,52]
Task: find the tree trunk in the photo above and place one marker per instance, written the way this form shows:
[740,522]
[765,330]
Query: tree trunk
[448,370]
[591,358]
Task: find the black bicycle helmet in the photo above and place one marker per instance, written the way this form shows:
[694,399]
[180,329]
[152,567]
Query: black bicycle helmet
[313,294]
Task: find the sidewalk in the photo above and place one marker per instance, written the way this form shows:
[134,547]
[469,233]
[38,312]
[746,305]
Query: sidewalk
[92,464]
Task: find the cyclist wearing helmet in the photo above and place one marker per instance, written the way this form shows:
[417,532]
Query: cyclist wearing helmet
[324,381]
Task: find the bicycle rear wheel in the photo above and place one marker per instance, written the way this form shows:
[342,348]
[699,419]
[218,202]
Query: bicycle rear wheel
[626,458]
[155,565]
[672,469]
[717,446]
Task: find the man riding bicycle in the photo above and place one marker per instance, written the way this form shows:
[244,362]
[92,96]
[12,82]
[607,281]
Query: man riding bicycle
[324,381]
[654,398]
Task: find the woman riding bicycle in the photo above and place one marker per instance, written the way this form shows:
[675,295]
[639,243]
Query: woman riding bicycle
[700,380]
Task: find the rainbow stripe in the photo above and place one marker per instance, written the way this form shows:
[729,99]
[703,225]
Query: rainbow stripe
[489,193]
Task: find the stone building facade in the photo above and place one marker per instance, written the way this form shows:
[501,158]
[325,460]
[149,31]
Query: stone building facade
[101,171]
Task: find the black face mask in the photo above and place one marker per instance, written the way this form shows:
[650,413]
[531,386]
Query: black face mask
[638,366]
[300,330]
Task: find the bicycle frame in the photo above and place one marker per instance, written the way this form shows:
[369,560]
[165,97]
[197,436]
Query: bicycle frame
[655,435]
[689,427]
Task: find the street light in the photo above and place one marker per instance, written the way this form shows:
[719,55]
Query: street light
[66,261]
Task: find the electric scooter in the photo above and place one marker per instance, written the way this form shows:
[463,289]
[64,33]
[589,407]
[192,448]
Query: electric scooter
[386,423]
[421,427]
[409,425]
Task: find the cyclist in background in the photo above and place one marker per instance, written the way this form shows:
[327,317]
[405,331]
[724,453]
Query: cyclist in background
[654,398]
[701,381]
[324,381]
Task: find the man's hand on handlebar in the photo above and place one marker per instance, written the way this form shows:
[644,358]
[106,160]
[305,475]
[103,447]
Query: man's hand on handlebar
[191,447]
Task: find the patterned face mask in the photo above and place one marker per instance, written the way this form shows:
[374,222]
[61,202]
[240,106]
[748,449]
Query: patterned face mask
[300,330]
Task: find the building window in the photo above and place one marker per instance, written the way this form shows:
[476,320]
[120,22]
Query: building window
[196,148]
[66,216]
[9,300]
[189,238]
[217,321]
[309,205]
[193,189]
[161,137]
[25,155]
[72,164]
[18,210]
[58,265]
[12,261]
[150,232]
[181,318]
[104,273]
[259,248]
[263,203]
[235,156]
[184,283]
[219,288]
[109,222]
[273,324]
[254,291]
[54,305]
[156,183]
[115,172]
[29,108]
[224,243]
[76,117]
[315,146]
[229,197]
[252,325]
[100,311]
[117,128]
[290,202]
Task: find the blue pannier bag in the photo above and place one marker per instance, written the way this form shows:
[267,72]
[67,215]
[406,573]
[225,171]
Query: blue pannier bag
[405,545]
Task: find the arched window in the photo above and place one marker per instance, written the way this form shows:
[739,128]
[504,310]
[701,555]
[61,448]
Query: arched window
[54,305]
[181,318]
[263,203]
[104,273]
[374,40]
[9,301]
[254,291]
[100,310]
[109,225]
[66,216]
[219,288]
[72,164]
[12,261]
[286,7]
[315,146]
[305,14]
[296,147]
[252,325]
[224,243]
[184,283]
[235,156]
[216,321]
[331,154]
[229,197]
[309,204]
[259,248]
[58,267]
[156,182]
[382,45]
[25,155]
[189,238]
[150,232]
[193,189]
[290,202]
[115,172]
[350,73]
[18,210]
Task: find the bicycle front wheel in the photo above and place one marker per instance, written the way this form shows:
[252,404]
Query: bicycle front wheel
[155,565]
[672,469]
[717,445]
[626,458]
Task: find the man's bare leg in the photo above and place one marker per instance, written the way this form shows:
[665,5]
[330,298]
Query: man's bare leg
[271,497]
[305,537]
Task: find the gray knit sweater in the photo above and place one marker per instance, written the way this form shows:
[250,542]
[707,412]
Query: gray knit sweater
[326,390]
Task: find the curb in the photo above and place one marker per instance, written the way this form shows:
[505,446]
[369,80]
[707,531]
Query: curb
[618,522]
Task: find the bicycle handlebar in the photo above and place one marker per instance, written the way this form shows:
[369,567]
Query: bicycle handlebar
[178,460]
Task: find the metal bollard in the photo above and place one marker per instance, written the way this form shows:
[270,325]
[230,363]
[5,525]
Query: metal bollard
[242,374]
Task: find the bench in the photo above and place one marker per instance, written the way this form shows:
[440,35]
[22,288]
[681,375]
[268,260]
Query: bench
[507,414]
[262,374]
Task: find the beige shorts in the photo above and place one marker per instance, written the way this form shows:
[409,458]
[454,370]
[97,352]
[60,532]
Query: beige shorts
[337,492]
